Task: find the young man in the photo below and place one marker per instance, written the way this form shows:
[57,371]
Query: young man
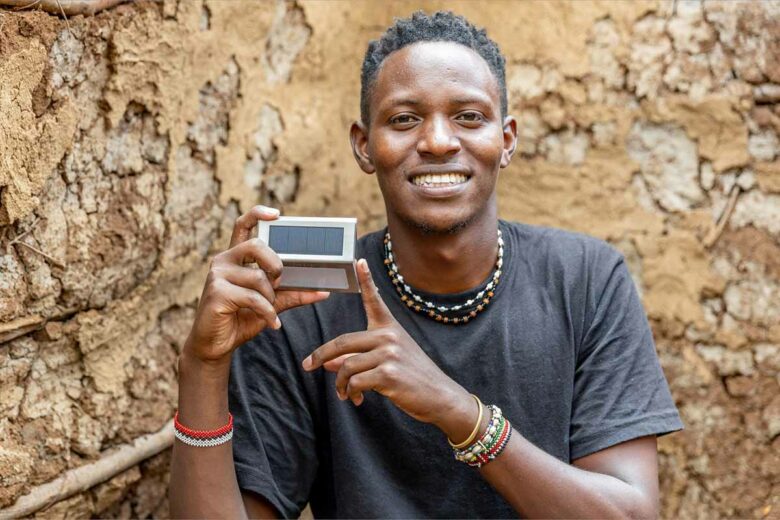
[350,404]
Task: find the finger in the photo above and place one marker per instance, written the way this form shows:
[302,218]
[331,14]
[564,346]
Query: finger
[242,229]
[352,342]
[335,364]
[376,311]
[250,278]
[257,251]
[289,299]
[363,382]
[354,365]
[242,298]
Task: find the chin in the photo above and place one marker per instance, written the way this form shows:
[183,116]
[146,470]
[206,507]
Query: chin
[440,226]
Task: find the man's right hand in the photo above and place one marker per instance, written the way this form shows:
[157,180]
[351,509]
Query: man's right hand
[239,301]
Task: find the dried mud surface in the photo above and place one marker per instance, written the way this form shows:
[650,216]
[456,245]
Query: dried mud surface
[129,142]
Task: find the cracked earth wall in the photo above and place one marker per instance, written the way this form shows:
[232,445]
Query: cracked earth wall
[129,141]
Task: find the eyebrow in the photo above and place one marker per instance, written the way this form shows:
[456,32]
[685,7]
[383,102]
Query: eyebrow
[402,101]
[456,101]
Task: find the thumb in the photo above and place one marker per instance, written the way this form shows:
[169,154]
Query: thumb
[376,310]
[289,299]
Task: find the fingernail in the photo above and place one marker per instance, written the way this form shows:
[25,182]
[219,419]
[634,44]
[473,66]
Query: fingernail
[307,363]
[278,323]
[271,211]
[363,265]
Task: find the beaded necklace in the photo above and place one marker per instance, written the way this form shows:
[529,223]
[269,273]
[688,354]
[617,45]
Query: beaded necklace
[455,314]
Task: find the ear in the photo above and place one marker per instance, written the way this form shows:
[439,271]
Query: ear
[510,140]
[358,138]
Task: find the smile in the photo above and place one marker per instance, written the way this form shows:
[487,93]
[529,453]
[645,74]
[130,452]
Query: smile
[439,179]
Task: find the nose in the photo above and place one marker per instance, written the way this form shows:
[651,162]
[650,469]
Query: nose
[437,138]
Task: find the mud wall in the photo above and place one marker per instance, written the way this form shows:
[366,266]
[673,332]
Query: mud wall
[129,141]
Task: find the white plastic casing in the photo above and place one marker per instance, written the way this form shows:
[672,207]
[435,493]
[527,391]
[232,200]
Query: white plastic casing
[310,272]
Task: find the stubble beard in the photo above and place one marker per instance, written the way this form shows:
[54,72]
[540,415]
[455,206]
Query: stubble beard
[427,228]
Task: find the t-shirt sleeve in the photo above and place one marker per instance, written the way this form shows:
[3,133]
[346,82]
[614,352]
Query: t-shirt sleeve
[620,392]
[274,442]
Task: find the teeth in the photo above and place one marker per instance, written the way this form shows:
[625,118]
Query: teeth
[438,179]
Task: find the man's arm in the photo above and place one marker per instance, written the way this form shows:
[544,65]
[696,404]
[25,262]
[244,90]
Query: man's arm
[203,480]
[620,481]
[237,303]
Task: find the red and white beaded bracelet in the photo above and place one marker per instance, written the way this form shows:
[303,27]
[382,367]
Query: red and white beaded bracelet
[203,438]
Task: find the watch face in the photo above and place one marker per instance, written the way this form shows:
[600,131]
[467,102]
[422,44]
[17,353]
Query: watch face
[305,240]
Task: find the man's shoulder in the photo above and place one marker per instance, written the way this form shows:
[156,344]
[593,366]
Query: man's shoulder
[560,246]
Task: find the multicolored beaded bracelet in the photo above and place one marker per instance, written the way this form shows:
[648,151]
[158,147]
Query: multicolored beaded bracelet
[492,442]
[495,450]
[203,438]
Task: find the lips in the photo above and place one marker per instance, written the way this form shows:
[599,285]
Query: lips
[439,175]
[439,180]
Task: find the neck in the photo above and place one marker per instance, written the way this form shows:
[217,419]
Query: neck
[445,263]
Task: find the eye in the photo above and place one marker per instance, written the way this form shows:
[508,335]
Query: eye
[402,119]
[470,117]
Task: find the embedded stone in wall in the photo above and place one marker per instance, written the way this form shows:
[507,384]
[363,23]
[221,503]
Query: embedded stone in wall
[728,362]
[749,30]
[603,43]
[530,130]
[764,146]
[757,301]
[263,150]
[566,147]
[689,30]
[758,209]
[288,36]
[668,163]
[216,99]
[527,83]
[13,288]
[650,51]
[689,73]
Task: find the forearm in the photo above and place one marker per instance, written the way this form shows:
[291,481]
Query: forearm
[203,480]
[537,485]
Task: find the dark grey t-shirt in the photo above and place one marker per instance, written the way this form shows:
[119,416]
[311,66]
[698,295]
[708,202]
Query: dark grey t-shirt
[564,349]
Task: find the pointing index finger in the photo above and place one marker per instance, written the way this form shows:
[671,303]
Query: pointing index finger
[376,310]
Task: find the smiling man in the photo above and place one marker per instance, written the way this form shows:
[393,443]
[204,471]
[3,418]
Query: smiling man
[371,405]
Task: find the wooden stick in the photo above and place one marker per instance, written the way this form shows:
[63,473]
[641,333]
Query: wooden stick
[21,326]
[45,255]
[14,325]
[87,476]
[716,230]
[24,234]
[64,7]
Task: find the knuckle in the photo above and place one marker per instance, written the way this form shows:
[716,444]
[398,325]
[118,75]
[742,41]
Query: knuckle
[390,336]
[349,365]
[355,383]
[218,259]
[389,371]
[261,302]
[219,284]
[393,352]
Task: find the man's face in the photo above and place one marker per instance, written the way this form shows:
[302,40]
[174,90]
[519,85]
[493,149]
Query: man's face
[436,138]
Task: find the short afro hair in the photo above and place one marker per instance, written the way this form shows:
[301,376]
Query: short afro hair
[442,26]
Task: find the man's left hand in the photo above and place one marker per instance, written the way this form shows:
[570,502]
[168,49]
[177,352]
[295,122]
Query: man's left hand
[384,358]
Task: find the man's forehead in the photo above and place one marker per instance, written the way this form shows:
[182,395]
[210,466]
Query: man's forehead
[432,65]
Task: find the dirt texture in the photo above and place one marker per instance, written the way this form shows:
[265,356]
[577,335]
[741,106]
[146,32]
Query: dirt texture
[130,141]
